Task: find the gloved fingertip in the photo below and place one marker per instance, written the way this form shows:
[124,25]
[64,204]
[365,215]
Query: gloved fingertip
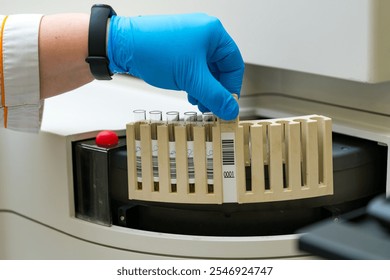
[192,100]
[202,108]
[230,110]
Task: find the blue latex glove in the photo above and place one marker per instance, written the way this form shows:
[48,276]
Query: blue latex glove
[190,52]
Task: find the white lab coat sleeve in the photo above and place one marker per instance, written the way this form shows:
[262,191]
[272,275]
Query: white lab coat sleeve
[21,106]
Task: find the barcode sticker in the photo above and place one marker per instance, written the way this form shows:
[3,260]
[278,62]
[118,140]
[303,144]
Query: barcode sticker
[172,161]
[210,162]
[190,160]
[229,179]
[138,160]
[155,160]
[228,151]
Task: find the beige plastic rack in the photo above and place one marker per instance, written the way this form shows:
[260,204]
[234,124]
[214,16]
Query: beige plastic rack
[245,162]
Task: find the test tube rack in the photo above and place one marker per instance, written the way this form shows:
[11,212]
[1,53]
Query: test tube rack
[248,162]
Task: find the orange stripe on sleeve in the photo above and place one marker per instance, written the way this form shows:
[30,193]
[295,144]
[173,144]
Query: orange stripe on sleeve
[5,111]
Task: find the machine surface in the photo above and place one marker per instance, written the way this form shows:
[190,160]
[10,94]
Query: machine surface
[38,208]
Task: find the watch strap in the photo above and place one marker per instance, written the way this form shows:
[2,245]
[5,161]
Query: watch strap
[97,56]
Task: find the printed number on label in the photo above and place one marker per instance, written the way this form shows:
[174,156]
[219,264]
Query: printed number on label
[228,174]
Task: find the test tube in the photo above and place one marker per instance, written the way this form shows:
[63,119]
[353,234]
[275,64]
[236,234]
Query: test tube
[155,118]
[208,120]
[172,120]
[190,119]
[139,117]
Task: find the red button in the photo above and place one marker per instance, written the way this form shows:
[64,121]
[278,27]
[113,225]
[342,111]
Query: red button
[106,138]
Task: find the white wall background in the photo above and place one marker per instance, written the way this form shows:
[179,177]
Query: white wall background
[348,39]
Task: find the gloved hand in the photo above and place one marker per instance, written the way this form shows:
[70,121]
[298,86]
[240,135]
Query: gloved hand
[190,52]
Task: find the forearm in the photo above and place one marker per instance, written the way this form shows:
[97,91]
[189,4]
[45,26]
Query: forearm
[63,47]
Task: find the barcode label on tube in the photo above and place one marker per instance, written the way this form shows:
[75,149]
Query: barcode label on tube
[190,158]
[210,162]
[138,160]
[172,161]
[229,179]
[155,160]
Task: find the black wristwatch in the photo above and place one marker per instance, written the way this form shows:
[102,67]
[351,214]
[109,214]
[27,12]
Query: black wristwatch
[97,55]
